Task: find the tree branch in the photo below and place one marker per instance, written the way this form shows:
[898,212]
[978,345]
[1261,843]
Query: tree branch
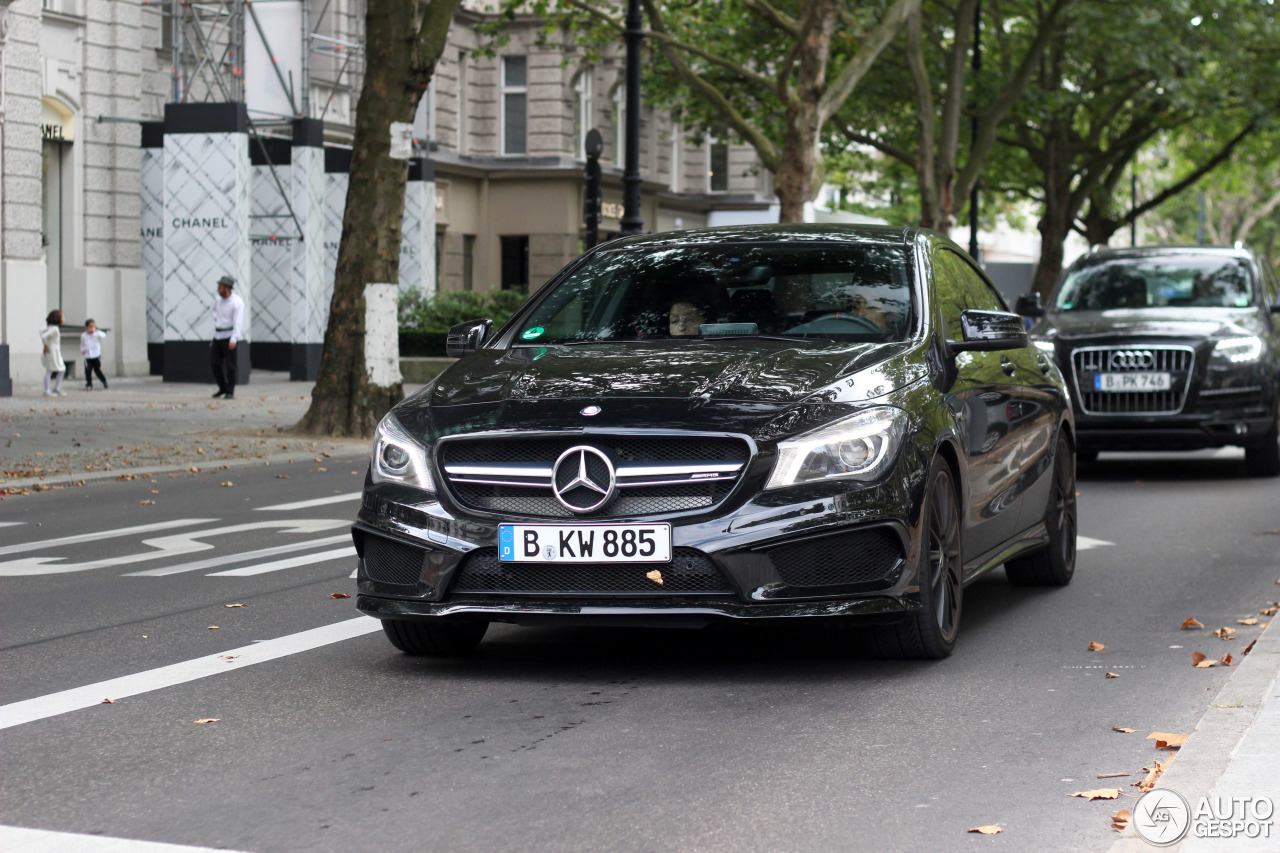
[763,10]
[881,146]
[875,42]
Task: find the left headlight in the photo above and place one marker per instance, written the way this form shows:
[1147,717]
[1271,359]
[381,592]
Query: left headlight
[1238,350]
[398,457]
[861,447]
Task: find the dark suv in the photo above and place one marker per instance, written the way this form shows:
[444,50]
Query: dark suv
[1169,348]
[764,423]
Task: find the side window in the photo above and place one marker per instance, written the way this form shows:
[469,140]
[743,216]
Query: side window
[959,288]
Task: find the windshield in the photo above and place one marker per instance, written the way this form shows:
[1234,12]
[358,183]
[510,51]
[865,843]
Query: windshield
[1158,282]
[826,291]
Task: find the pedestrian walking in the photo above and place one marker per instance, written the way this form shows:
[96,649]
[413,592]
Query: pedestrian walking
[54,367]
[228,319]
[91,349]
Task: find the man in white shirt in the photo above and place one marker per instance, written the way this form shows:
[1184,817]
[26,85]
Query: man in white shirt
[228,319]
[91,349]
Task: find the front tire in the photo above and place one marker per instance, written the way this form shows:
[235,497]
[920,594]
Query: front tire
[931,633]
[1055,564]
[425,639]
[1264,460]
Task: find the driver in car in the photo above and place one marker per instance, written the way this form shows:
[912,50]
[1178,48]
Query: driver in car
[684,319]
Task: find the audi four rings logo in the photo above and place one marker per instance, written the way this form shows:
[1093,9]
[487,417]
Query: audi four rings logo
[1132,359]
[583,479]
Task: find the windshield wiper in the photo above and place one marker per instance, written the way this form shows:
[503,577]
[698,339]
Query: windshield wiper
[758,337]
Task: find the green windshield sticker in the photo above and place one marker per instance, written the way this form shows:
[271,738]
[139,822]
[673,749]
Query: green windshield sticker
[530,334]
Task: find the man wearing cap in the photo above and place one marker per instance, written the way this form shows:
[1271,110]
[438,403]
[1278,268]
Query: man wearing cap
[228,317]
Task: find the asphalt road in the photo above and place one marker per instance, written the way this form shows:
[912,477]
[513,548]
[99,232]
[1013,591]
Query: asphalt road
[556,739]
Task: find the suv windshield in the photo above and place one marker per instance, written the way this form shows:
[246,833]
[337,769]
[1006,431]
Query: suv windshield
[1158,282]
[825,291]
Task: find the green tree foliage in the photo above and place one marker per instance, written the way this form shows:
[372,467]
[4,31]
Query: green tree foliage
[443,310]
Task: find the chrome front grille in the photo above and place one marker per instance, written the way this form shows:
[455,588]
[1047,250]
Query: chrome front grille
[1088,362]
[655,474]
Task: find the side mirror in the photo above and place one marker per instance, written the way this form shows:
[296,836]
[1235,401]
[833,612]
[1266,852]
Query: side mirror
[986,331]
[466,338]
[1028,305]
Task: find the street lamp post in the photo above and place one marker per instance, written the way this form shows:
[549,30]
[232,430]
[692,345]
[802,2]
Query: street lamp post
[973,130]
[631,222]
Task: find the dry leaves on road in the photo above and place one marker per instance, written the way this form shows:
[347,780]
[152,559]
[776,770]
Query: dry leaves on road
[1097,794]
[108,701]
[1252,620]
[1112,675]
[1201,661]
[152,503]
[207,720]
[1270,610]
[213,627]
[1120,820]
[1225,633]
[1153,773]
[1096,647]
[338,595]
[227,483]
[1226,660]
[989,829]
[1110,775]
[1249,647]
[233,605]
[1192,623]
[1164,740]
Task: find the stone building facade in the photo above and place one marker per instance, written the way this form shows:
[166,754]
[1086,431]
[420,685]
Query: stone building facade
[87,119]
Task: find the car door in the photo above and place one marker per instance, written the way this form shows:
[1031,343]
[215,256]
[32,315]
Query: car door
[989,408]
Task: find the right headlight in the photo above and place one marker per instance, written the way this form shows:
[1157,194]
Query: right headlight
[1241,350]
[861,447]
[398,457]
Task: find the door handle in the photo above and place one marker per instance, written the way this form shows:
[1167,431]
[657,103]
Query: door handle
[1008,366]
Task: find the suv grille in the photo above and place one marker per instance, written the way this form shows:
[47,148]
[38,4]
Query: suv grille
[689,571]
[655,474]
[871,556]
[1094,361]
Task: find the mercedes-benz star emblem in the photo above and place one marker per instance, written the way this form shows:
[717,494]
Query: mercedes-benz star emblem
[583,479]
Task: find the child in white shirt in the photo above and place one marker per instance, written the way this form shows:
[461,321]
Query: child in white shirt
[51,356]
[91,347]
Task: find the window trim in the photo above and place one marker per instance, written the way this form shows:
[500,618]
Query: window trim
[504,91]
[582,110]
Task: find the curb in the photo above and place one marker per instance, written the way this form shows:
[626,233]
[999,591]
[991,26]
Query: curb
[1201,762]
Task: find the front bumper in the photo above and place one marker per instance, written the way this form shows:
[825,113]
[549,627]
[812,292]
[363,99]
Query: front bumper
[1244,427]
[763,549]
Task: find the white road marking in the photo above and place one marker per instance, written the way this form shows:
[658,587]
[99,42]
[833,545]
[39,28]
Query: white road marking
[11,523]
[106,534]
[17,839]
[332,499]
[225,559]
[279,565]
[54,704]
[1084,543]
[166,547]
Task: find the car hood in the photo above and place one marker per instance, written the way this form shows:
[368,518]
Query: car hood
[727,386]
[1195,323]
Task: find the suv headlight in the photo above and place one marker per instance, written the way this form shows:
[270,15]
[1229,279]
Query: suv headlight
[398,457]
[1240,350]
[861,447]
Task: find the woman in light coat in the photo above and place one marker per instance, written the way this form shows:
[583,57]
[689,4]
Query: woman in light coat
[51,358]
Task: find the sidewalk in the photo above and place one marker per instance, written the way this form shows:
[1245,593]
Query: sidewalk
[144,425]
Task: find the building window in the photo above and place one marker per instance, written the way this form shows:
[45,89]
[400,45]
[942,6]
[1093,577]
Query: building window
[515,262]
[620,125]
[468,261]
[581,112]
[515,94]
[718,166]
[439,258]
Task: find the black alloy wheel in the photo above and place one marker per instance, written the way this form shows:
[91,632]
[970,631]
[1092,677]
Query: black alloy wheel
[1264,460]
[1055,564]
[931,633]
[426,639]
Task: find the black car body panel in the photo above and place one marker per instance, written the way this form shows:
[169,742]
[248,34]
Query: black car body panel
[994,417]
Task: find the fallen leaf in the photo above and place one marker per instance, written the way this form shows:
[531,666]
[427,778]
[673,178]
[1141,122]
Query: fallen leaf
[147,502]
[1252,620]
[1110,775]
[207,720]
[1205,664]
[1112,675]
[1225,633]
[193,469]
[1249,647]
[227,483]
[1197,658]
[1153,773]
[108,701]
[1269,611]
[213,627]
[1226,659]
[282,476]
[990,829]
[1192,623]
[1164,739]
[1120,820]
[233,605]
[317,459]
[1098,794]
[200,450]
[338,595]
[655,576]
[228,657]
[1096,647]
[1123,730]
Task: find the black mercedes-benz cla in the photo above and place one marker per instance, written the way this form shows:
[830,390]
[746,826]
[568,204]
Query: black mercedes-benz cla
[758,423]
[1169,348]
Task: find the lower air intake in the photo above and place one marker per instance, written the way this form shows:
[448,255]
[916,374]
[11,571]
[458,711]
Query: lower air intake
[391,562]
[688,572]
[866,557]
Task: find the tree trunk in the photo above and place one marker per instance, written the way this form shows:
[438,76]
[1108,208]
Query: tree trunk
[793,182]
[1099,229]
[345,401]
[1059,211]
